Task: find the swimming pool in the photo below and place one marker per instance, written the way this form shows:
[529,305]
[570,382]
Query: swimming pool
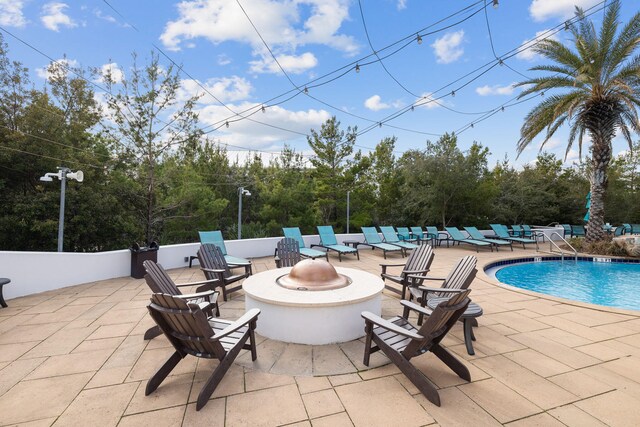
[613,284]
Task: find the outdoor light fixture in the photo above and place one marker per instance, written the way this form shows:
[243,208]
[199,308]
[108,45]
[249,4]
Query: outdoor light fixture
[495,4]
[453,93]
[226,124]
[357,68]
[306,90]
[241,192]
[63,174]
[419,39]
[264,109]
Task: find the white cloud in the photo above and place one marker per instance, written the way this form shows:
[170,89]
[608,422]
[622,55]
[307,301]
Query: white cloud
[487,90]
[427,101]
[224,59]
[528,54]
[402,4]
[53,16]
[58,66]
[98,13]
[227,89]
[572,156]
[375,103]
[541,10]
[116,72]
[551,144]
[447,48]
[290,63]
[11,13]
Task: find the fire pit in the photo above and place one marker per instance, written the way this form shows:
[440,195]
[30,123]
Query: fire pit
[313,302]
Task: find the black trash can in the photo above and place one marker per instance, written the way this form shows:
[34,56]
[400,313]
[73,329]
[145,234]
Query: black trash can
[140,255]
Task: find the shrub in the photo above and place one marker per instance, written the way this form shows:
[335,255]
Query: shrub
[606,246]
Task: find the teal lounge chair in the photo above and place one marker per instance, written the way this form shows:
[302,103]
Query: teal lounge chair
[391,237]
[517,231]
[372,239]
[503,233]
[618,231]
[567,230]
[405,235]
[294,233]
[528,231]
[438,236]
[215,238]
[635,228]
[475,234]
[329,242]
[577,231]
[457,236]
[627,228]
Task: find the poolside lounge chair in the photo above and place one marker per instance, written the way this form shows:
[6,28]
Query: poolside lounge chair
[618,231]
[214,266]
[458,237]
[294,233]
[503,233]
[372,239]
[288,253]
[420,235]
[577,231]
[418,262]
[391,237]
[475,234]
[159,282]
[405,235]
[517,231]
[215,237]
[329,242]
[635,228]
[400,341]
[191,333]
[438,236]
[567,230]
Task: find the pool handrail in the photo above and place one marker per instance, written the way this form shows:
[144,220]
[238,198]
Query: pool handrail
[562,252]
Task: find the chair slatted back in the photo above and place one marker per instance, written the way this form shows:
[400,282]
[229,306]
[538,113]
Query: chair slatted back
[214,237]
[158,279]
[371,235]
[460,276]
[210,256]
[327,236]
[294,233]
[420,259]
[389,234]
[438,324]
[288,252]
[185,326]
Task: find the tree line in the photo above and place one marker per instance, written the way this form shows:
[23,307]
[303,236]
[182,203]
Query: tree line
[151,173]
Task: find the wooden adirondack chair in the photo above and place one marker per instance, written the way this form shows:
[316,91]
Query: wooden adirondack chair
[159,282]
[400,341]
[418,263]
[460,277]
[288,252]
[190,332]
[215,267]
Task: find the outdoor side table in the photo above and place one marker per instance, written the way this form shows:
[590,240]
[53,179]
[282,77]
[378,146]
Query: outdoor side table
[353,243]
[3,281]
[468,320]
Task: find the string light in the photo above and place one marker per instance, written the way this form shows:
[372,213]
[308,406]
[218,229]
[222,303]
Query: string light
[567,25]
[453,93]
[226,123]
[419,39]
[502,108]
[471,124]
[306,90]
[357,68]
[264,109]
[413,107]
[379,124]
[495,4]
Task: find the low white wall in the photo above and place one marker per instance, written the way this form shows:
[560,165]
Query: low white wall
[33,272]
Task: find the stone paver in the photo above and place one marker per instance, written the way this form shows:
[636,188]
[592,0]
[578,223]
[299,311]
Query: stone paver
[76,356]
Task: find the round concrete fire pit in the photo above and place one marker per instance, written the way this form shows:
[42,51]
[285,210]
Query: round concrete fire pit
[313,317]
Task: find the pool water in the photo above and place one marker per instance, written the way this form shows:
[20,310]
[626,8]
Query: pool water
[604,283]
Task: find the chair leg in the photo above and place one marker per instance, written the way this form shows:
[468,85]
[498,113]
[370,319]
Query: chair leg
[452,362]
[368,329]
[153,332]
[162,373]
[224,293]
[252,339]
[2,301]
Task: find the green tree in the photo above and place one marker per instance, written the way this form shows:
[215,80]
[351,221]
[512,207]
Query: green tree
[599,75]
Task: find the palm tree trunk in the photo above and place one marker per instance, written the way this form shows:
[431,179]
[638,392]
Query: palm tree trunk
[599,181]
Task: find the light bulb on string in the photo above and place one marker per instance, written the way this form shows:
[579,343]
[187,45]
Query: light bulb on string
[495,4]
[306,90]
[264,109]
[226,124]
[357,68]
[419,39]
[453,93]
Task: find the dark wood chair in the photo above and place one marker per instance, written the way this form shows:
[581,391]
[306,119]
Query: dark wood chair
[460,277]
[3,281]
[418,263]
[288,253]
[159,282]
[190,332]
[400,341]
[215,268]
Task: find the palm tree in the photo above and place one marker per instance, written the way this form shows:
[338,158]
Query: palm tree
[600,77]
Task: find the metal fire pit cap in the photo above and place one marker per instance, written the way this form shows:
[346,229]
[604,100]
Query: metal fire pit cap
[313,275]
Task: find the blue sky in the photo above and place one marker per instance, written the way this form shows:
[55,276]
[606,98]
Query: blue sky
[220,51]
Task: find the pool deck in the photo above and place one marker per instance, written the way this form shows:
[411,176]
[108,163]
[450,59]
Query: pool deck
[76,356]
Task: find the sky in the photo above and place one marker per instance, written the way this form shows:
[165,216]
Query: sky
[366,62]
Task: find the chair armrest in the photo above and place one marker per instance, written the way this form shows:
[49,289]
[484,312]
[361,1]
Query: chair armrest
[248,317]
[392,265]
[205,294]
[199,282]
[379,321]
[415,307]
[415,272]
[211,270]
[443,290]
[421,277]
[239,264]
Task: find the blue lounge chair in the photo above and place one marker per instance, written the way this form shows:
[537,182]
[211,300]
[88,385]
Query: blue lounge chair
[635,228]
[391,237]
[438,236]
[215,238]
[517,231]
[294,233]
[372,239]
[503,233]
[405,235]
[528,231]
[329,242]
[577,231]
[458,237]
[421,236]
[567,230]
[475,234]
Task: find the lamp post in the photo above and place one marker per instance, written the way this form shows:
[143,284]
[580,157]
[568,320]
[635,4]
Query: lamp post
[63,174]
[348,211]
[241,192]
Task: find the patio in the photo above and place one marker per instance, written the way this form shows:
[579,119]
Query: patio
[76,356]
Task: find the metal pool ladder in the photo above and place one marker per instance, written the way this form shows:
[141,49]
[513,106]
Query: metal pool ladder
[553,245]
